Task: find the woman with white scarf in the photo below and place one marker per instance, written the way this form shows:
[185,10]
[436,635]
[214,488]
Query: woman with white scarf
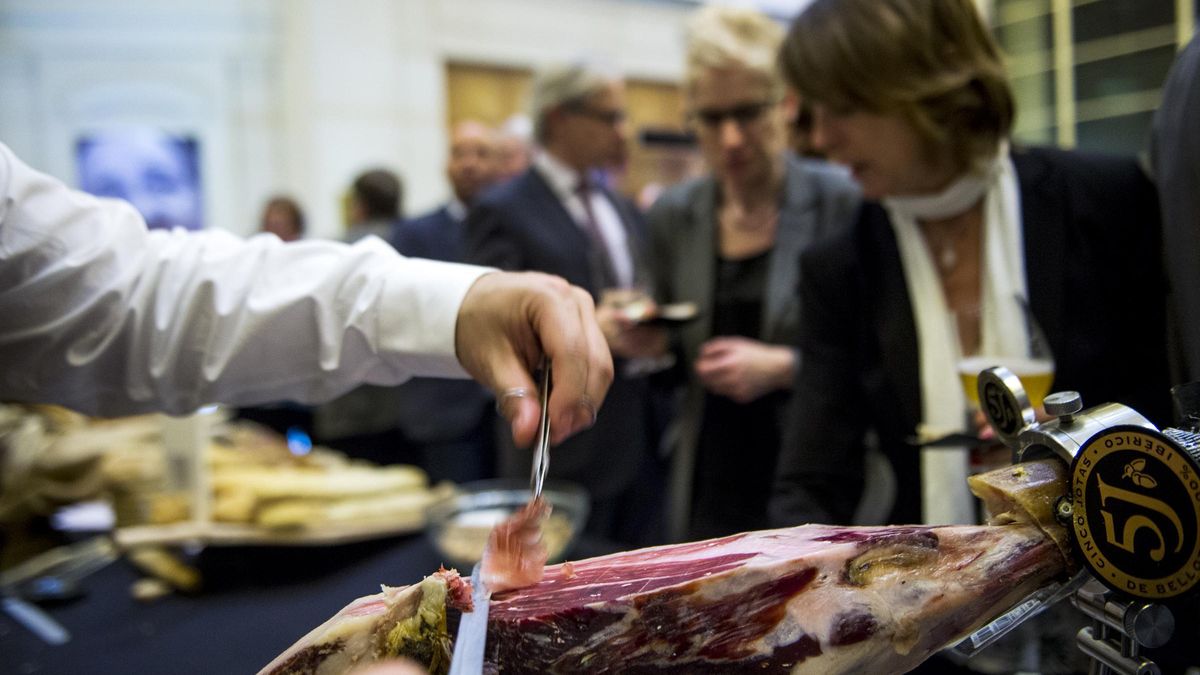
[961,237]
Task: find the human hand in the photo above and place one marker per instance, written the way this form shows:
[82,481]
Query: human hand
[743,369]
[619,316]
[506,322]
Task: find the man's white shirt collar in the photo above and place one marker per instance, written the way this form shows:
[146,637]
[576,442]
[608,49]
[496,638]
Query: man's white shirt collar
[562,178]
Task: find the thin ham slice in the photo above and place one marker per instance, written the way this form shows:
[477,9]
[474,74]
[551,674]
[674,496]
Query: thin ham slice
[515,555]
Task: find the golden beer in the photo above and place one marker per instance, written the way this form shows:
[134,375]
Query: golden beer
[1037,375]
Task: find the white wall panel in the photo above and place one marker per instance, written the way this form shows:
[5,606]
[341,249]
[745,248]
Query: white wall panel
[292,96]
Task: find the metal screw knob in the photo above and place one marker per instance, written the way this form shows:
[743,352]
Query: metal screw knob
[1152,625]
[1063,403]
[1064,510]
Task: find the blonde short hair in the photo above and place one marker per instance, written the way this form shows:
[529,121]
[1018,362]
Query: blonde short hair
[734,37]
[932,62]
[565,84]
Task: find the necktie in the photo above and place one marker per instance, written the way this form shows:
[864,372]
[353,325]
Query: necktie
[603,271]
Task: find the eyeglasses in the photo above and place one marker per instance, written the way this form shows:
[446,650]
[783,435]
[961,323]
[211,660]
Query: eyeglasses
[610,117]
[742,115]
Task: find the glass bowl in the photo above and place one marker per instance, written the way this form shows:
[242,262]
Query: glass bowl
[459,524]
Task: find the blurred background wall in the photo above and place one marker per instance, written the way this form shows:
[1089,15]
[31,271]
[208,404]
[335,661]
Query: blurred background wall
[298,96]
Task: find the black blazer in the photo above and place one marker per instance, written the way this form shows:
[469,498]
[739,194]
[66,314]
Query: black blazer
[1096,285]
[522,225]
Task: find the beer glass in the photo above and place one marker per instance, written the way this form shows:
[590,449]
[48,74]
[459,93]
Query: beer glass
[1035,368]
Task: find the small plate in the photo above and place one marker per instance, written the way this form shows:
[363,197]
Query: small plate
[674,314]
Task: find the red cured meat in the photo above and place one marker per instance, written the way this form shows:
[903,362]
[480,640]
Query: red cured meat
[805,600]
[812,599]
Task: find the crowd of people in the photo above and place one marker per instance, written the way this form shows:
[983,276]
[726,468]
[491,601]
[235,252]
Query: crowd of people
[865,221]
[835,292]
[833,305]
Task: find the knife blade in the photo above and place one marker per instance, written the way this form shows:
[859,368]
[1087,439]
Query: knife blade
[472,629]
[541,452]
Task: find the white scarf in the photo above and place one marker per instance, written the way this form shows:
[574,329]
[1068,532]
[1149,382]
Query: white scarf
[945,496]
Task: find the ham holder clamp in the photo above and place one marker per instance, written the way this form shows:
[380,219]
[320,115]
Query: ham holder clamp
[1132,512]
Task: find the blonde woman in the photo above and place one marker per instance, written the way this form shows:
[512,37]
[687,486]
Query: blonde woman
[729,242]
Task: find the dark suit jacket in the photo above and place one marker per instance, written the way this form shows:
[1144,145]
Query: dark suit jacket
[817,201]
[436,235]
[522,225]
[1175,149]
[1096,286]
[433,410]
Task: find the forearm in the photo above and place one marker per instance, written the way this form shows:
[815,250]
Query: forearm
[108,318]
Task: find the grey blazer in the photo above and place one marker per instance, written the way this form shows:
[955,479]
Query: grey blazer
[818,200]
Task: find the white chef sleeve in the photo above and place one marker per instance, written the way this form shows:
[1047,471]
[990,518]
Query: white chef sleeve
[103,316]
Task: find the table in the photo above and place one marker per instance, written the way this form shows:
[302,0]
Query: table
[257,601]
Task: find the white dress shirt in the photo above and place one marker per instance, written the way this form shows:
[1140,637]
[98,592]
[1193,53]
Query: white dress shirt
[99,314]
[456,209]
[564,181]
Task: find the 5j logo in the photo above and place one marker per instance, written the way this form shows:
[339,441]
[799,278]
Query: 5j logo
[1134,472]
[1137,512]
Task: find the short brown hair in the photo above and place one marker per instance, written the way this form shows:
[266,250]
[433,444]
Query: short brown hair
[289,206]
[380,193]
[932,62]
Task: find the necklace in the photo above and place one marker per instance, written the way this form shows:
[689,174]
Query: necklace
[758,219]
[947,258]
[944,241]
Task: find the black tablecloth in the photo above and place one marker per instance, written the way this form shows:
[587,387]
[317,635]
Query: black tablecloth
[256,603]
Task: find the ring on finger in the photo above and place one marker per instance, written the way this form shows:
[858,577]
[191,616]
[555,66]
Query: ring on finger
[511,393]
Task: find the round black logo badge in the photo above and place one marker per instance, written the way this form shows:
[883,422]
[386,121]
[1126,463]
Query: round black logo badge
[1002,398]
[1136,517]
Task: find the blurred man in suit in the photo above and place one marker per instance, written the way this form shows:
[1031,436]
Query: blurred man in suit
[376,203]
[451,422]
[557,218]
[470,168]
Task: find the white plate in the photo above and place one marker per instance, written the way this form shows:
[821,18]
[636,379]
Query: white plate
[237,534]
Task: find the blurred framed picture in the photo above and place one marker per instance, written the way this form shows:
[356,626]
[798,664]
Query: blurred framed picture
[157,172]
